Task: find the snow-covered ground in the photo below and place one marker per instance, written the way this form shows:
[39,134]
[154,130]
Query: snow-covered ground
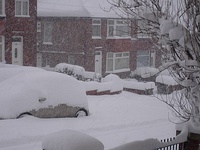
[114,120]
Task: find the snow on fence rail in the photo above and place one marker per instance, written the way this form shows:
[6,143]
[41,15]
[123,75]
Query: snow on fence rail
[155,144]
[177,146]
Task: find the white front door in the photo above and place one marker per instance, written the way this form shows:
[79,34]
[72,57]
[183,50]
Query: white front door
[98,62]
[2,52]
[17,51]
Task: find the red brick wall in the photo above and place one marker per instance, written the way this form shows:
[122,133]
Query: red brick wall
[74,36]
[21,26]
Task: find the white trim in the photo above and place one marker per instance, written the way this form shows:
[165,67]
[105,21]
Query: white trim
[47,43]
[59,52]
[118,71]
[118,37]
[96,37]
[24,16]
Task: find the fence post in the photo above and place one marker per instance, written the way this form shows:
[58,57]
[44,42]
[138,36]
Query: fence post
[193,142]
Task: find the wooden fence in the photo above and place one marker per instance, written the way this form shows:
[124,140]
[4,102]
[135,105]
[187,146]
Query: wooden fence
[177,146]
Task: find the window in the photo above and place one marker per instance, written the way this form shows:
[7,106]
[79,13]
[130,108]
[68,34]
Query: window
[96,28]
[48,33]
[143,58]
[21,7]
[118,28]
[117,61]
[38,26]
[2,7]
[143,29]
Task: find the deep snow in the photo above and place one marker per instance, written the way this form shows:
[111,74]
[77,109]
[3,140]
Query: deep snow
[114,120]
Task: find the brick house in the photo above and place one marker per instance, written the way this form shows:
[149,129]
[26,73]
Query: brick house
[81,33]
[18,21]
[44,33]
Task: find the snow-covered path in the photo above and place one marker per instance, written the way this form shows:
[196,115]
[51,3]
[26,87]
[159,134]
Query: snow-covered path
[114,120]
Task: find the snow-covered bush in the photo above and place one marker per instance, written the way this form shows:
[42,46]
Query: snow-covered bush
[166,84]
[92,76]
[141,73]
[116,82]
[71,140]
[109,85]
[72,70]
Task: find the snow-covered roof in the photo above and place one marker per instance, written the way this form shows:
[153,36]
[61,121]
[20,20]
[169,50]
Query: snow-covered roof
[75,8]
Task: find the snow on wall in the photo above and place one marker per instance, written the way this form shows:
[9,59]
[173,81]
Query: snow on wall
[113,83]
[110,83]
[143,71]
[168,80]
[138,85]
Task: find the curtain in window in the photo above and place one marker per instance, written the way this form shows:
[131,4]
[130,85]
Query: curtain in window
[143,58]
[25,8]
[48,32]
[18,8]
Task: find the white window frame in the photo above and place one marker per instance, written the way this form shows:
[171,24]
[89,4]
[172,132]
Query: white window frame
[3,9]
[21,8]
[113,57]
[39,26]
[48,29]
[113,24]
[97,23]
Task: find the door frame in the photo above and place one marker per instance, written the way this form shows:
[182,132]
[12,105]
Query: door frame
[3,48]
[98,58]
[22,50]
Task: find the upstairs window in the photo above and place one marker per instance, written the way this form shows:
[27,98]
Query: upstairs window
[143,29]
[48,33]
[2,7]
[96,28]
[118,28]
[21,8]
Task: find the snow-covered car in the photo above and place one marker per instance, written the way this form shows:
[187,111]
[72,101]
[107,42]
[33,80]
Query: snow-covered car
[42,94]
